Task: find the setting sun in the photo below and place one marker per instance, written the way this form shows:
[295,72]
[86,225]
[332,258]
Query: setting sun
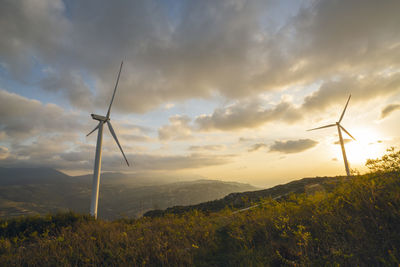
[368,145]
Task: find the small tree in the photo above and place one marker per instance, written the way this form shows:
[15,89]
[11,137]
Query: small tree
[388,163]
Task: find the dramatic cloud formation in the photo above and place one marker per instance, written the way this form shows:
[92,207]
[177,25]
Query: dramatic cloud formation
[72,85]
[178,129]
[31,31]
[286,147]
[361,89]
[389,109]
[22,117]
[47,151]
[196,73]
[292,146]
[204,47]
[246,114]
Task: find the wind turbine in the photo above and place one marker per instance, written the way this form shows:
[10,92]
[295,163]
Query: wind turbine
[340,127]
[97,162]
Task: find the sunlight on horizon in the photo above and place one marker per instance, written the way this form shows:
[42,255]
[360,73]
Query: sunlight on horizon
[368,145]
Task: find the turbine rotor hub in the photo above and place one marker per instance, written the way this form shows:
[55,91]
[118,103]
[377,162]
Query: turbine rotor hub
[99,117]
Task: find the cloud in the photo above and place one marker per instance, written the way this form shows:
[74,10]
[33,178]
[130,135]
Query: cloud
[389,109]
[31,31]
[23,117]
[53,152]
[150,162]
[292,146]
[203,46]
[185,50]
[36,134]
[245,139]
[256,147]
[178,129]
[3,152]
[246,114]
[230,48]
[250,113]
[72,85]
[361,89]
[136,138]
[133,133]
[207,148]
[50,151]
[345,140]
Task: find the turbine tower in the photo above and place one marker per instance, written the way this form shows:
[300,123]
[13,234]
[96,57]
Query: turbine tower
[97,162]
[340,128]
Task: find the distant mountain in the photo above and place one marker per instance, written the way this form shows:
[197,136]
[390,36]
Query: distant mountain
[42,190]
[242,200]
[16,176]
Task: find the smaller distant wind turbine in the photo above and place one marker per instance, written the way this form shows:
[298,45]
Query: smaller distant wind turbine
[97,162]
[340,127]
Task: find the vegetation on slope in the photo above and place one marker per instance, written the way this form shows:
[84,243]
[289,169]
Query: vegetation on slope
[357,223]
[240,200]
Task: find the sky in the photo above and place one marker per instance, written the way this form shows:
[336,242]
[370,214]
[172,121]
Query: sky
[215,89]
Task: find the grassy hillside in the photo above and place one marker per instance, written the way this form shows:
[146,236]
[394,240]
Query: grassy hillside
[356,223]
[240,200]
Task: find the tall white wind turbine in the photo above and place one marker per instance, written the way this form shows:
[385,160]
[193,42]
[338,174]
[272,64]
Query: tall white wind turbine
[340,127]
[97,162]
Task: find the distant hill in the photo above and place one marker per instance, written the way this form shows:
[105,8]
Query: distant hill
[17,176]
[42,190]
[239,200]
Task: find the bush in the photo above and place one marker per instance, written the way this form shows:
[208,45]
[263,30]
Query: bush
[388,163]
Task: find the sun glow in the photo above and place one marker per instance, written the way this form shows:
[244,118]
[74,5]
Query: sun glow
[368,145]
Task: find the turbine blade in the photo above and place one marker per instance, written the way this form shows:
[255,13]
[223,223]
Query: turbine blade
[116,140]
[326,126]
[115,89]
[341,117]
[347,132]
[97,127]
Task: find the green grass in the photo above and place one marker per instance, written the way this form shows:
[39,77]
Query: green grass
[355,224]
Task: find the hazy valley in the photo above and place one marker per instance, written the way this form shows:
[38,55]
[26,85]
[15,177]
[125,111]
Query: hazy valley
[32,191]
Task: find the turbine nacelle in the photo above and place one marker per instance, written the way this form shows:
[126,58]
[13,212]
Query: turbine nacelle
[99,117]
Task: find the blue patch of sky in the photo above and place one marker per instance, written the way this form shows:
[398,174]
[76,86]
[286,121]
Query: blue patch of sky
[89,81]
[69,6]
[27,88]
[299,92]
[173,11]
[279,12]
